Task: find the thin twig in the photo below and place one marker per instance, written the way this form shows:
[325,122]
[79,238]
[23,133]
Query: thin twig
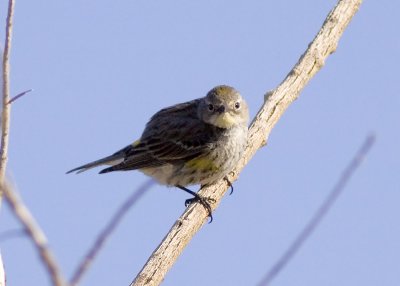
[107,231]
[35,233]
[320,213]
[194,217]
[2,273]
[17,206]
[5,114]
[18,96]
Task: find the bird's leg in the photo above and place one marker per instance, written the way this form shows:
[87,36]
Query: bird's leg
[197,198]
[229,184]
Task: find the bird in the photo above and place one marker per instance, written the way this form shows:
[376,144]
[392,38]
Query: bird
[190,143]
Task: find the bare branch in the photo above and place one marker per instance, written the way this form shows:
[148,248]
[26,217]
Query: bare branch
[107,231]
[276,103]
[5,112]
[18,96]
[35,233]
[17,206]
[320,213]
[2,273]
[5,115]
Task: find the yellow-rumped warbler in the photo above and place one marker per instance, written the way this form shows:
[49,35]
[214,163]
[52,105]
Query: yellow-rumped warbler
[196,142]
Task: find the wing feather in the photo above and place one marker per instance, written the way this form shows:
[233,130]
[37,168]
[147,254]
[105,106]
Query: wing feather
[172,136]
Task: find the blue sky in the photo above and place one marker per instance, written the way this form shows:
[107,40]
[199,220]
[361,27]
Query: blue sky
[100,69]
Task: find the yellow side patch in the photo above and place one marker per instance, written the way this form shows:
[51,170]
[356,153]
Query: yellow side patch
[137,142]
[202,164]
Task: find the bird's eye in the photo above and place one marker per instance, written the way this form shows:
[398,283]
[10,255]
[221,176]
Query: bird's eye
[237,105]
[210,107]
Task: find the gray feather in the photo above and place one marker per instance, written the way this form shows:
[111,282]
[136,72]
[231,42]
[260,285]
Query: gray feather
[110,160]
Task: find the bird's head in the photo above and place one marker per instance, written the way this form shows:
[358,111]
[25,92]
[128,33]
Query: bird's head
[224,107]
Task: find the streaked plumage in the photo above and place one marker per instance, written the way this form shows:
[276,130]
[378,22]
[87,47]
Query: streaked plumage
[196,142]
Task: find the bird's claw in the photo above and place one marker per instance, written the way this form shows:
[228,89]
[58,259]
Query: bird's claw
[205,202]
[229,184]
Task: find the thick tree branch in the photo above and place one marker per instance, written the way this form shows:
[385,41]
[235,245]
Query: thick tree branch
[276,102]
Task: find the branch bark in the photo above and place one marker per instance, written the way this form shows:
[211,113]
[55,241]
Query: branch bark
[276,102]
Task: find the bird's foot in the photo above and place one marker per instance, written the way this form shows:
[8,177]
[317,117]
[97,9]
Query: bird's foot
[205,202]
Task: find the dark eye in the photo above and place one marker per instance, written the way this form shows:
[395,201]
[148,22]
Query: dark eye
[210,107]
[237,105]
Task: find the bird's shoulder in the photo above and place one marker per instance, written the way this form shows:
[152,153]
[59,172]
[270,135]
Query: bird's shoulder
[185,109]
[175,120]
[179,127]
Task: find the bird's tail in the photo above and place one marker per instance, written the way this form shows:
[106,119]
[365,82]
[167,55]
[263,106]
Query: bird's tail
[110,160]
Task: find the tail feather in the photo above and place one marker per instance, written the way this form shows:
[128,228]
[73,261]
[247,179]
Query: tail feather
[110,160]
[107,170]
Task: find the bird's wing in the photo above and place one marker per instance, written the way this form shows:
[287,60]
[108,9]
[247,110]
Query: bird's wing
[172,135]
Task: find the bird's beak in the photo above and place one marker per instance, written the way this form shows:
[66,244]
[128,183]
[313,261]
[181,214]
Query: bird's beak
[221,109]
